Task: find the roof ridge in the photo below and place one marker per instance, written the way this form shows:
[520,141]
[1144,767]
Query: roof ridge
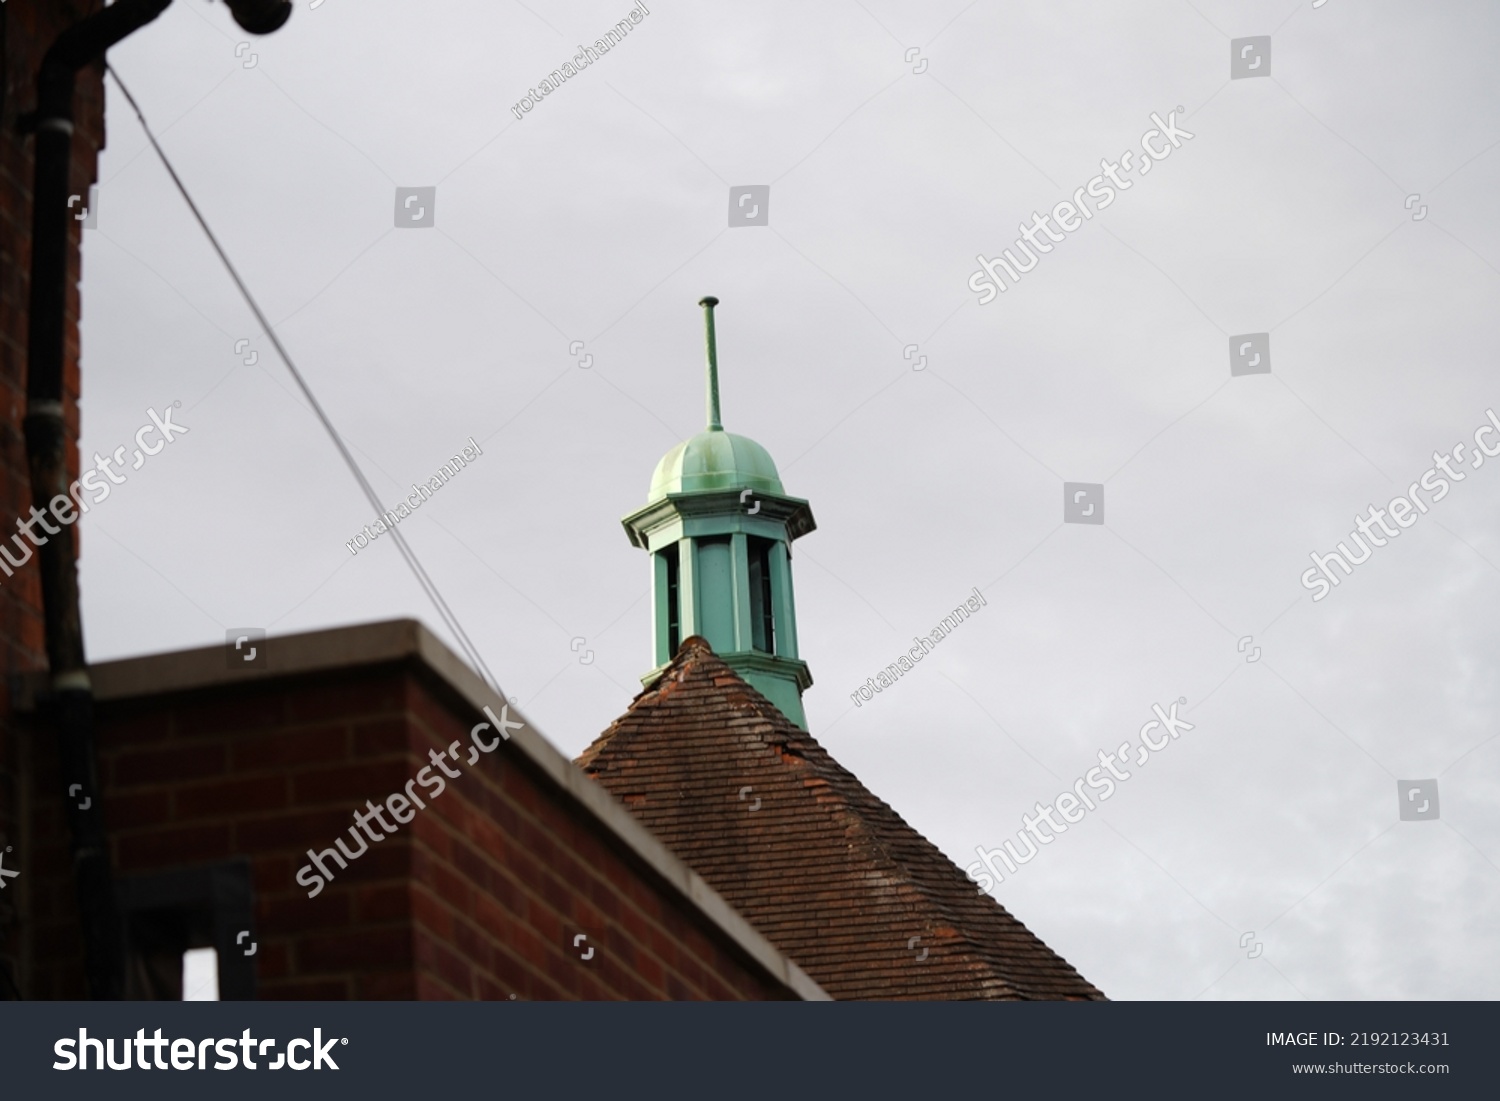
[689,653]
[921,882]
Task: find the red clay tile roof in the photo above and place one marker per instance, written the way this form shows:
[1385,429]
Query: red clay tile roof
[826,871]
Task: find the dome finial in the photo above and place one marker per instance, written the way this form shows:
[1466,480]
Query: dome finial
[708,304]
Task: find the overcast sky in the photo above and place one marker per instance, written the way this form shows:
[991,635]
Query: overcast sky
[1259,855]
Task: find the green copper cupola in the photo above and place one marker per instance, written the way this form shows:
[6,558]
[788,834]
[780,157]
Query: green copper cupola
[719,528]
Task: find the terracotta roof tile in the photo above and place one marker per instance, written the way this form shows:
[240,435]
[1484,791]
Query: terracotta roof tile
[826,871]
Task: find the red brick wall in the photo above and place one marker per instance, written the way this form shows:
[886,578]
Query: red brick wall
[479,897]
[27,28]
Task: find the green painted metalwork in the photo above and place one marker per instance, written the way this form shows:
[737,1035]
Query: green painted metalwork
[711,498]
[715,460]
[708,304]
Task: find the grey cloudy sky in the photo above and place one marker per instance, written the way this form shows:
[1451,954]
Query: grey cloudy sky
[602,216]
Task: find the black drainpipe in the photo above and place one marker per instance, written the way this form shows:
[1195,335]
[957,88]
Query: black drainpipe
[72,698]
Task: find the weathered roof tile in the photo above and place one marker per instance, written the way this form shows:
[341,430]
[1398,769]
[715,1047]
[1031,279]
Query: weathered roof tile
[825,870]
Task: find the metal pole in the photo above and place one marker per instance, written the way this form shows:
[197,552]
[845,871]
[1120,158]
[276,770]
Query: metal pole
[708,304]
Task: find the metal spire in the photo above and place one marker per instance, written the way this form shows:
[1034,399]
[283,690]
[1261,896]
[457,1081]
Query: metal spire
[708,304]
